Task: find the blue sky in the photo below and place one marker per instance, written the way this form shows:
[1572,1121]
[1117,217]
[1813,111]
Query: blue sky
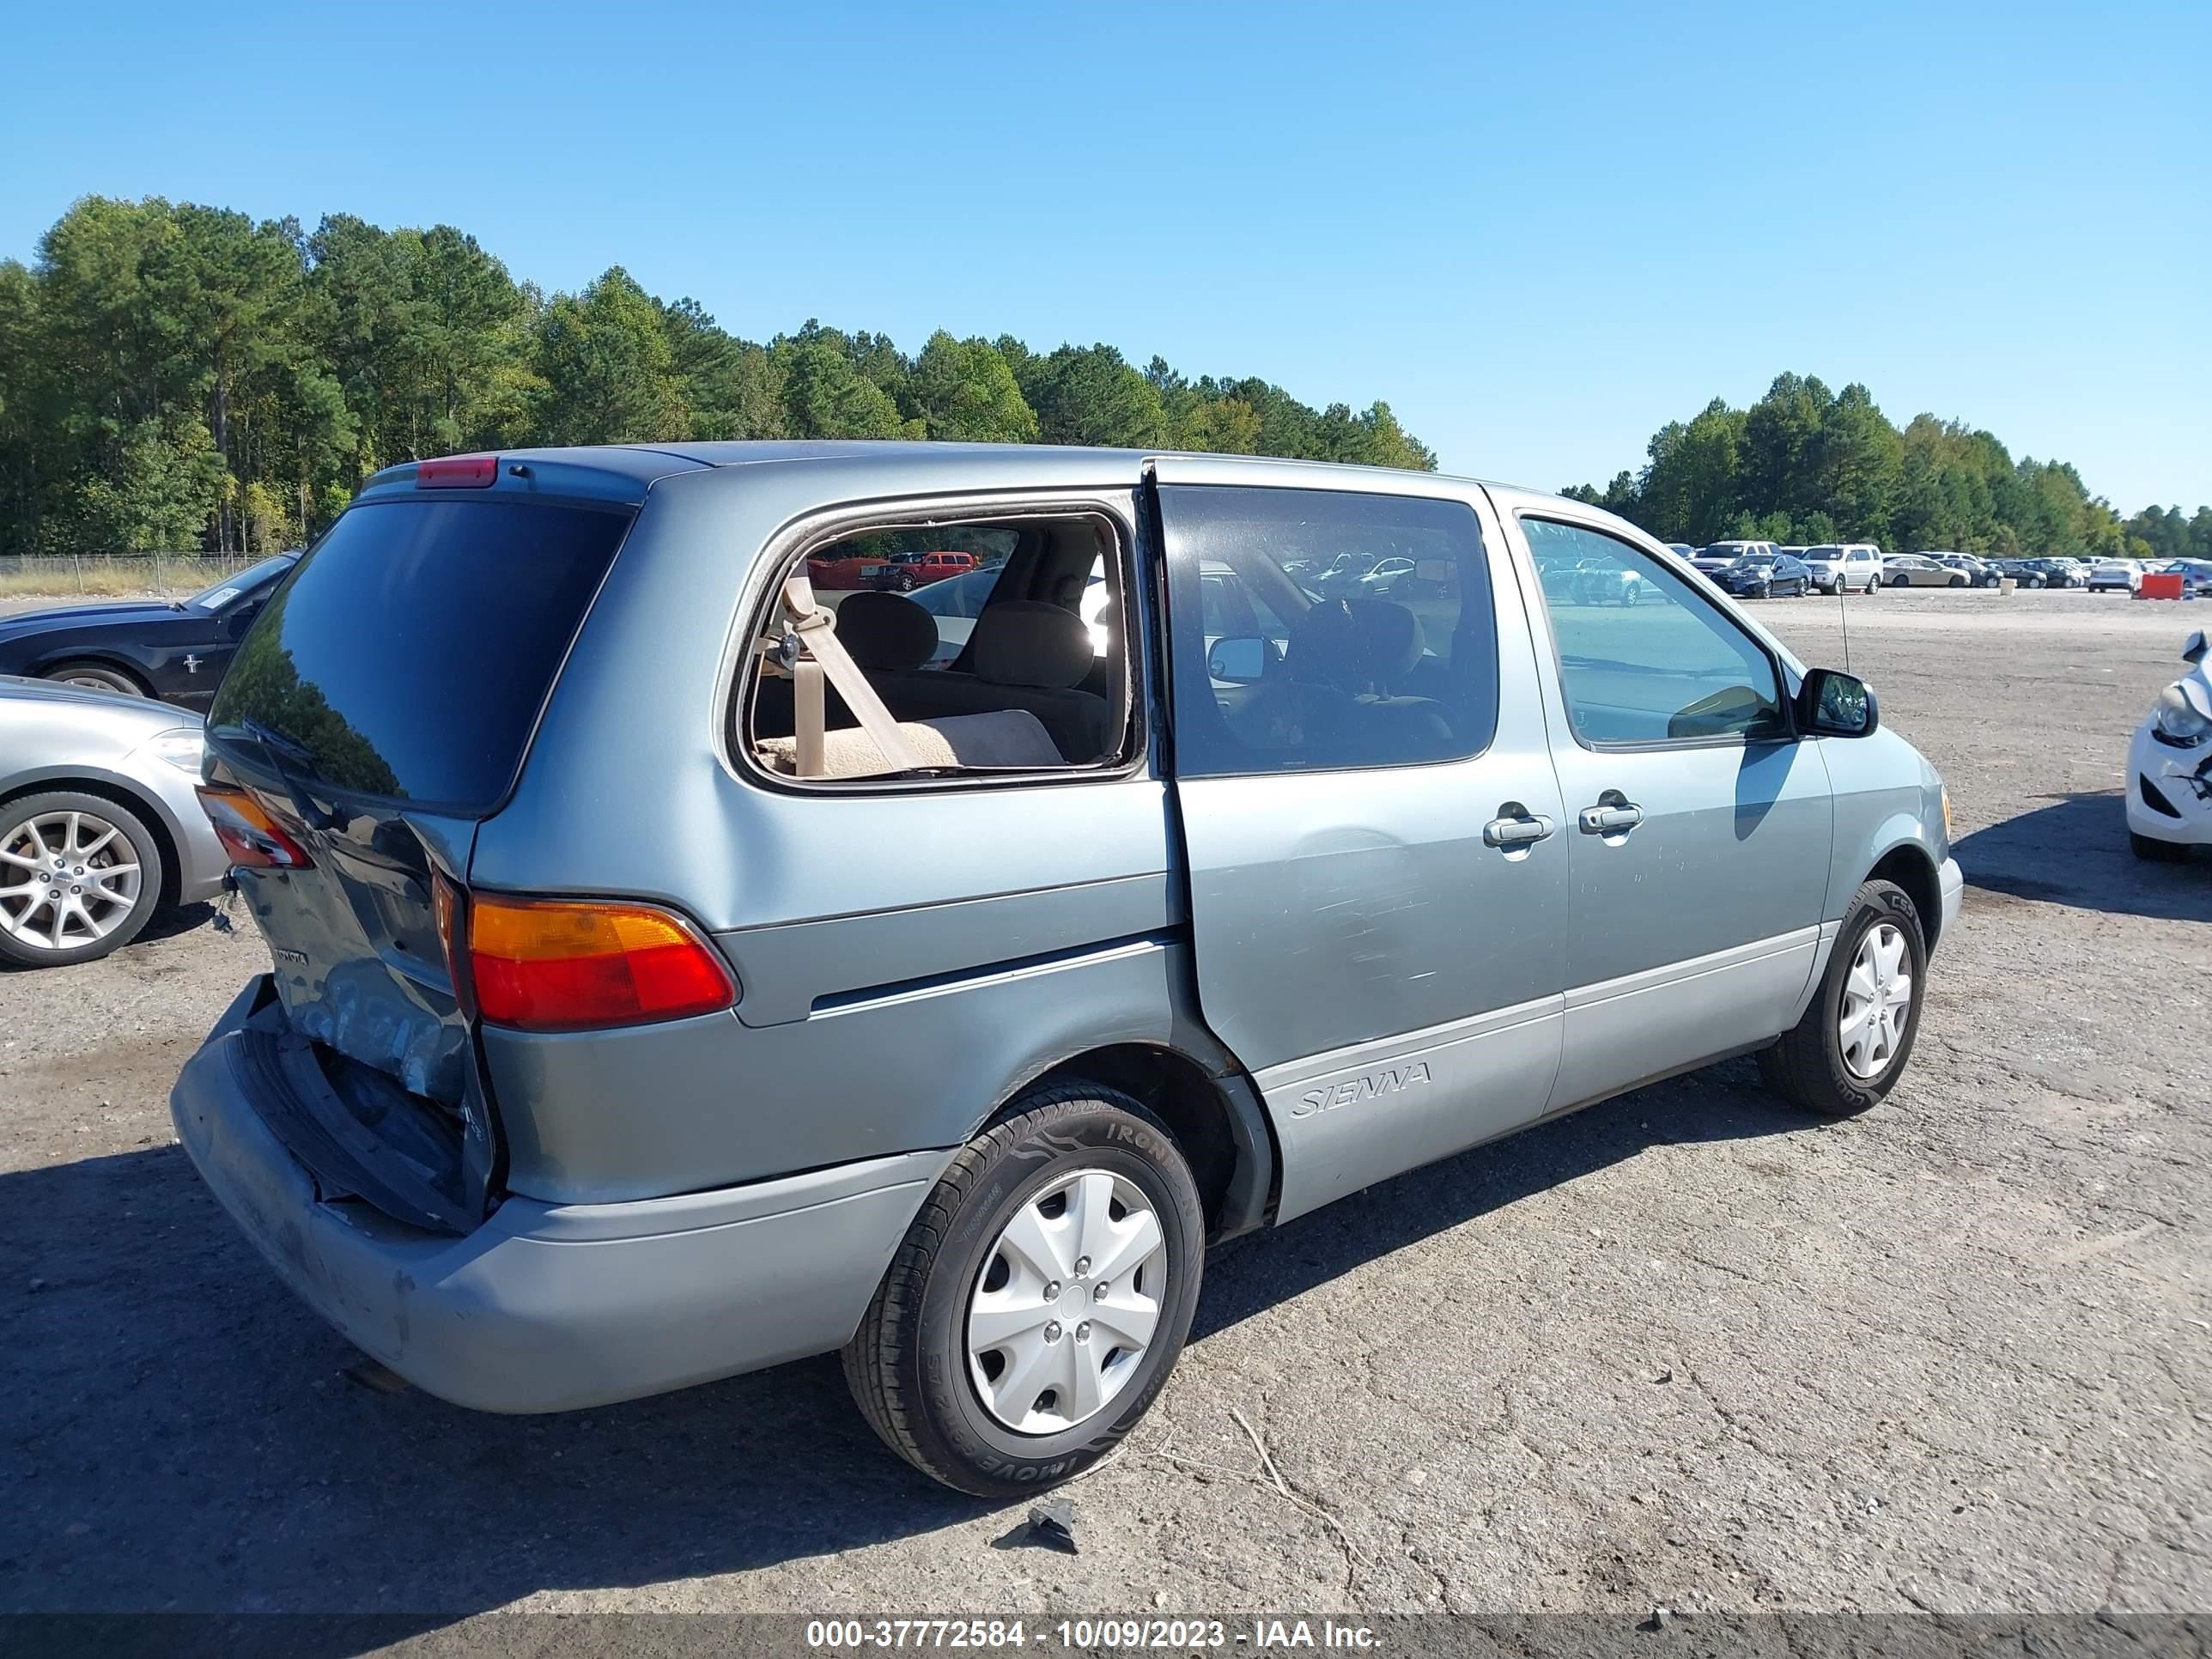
[1537,231]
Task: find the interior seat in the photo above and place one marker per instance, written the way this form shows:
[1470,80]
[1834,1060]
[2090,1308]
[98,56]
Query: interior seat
[1338,689]
[1024,654]
[886,635]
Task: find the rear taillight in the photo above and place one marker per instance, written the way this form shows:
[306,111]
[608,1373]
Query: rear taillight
[565,965]
[461,472]
[254,840]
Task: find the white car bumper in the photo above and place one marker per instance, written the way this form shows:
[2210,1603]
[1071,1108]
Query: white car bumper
[2180,779]
[1951,881]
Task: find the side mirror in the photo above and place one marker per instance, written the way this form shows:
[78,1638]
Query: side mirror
[2194,651]
[1242,659]
[1833,704]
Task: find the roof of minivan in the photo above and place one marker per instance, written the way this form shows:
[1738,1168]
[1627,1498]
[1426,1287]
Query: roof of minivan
[640,464]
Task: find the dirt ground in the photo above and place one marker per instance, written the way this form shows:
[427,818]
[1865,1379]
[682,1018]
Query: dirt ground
[1684,1349]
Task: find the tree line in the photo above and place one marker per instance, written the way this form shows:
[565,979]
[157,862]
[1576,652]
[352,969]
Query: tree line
[1805,465]
[174,376]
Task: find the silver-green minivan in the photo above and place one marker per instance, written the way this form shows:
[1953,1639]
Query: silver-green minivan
[676,971]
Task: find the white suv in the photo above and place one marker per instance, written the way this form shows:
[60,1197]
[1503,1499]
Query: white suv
[1844,566]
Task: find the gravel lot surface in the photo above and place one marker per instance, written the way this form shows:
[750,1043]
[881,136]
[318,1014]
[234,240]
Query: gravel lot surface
[1683,1349]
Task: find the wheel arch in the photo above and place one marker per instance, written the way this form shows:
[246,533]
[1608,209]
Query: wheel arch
[1215,1116]
[1909,866]
[107,786]
[97,657]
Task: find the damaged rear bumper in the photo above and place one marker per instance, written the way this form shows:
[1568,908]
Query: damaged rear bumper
[549,1307]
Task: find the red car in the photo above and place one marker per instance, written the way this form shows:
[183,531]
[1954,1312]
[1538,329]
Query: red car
[843,571]
[903,572]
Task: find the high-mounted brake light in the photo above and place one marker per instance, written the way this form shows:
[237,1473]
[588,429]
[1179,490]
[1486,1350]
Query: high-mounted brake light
[254,840]
[460,472]
[565,965]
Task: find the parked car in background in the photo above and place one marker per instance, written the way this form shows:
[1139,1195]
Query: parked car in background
[546,1111]
[1844,566]
[2196,576]
[2049,573]
[99,829]
[904,574]
[1720,555]
[1974,568]
[1776,575]
[1920,570]
[2111,575]
[1683,548]
[175,650]
[1405,578]
[2169,797]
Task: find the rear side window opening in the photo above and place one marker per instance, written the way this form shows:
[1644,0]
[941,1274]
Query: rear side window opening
[408,656]
[1014,662]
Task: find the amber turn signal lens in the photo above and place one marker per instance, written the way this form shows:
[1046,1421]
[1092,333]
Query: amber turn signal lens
[570,965]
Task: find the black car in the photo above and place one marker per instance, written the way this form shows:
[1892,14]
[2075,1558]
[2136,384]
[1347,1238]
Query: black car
[1765,575]
[175,650]
[2048,573]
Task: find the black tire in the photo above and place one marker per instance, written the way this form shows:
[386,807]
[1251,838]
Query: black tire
[2152,850]
[101,675]
[1900,581]
[2035,581]
[1956,581]
[907,1366]
[1806,1066]
[145,848]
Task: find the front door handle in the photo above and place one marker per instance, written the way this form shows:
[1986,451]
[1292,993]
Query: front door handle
[1517,831]
[1611,820]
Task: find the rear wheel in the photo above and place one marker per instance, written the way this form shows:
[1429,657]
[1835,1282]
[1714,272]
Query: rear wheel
[1040,1299]
[1852,1045]
[97,676]
[79,876]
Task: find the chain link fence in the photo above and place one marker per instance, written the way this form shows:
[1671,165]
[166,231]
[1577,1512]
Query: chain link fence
[92,575]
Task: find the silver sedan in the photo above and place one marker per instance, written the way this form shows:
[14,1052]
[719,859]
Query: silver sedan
[99,825]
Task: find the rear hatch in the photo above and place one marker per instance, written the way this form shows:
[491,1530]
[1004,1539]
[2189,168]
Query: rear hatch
[378,711]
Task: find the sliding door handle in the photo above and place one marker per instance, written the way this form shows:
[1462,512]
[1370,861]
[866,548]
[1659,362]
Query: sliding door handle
[1611,820]
[1518,830]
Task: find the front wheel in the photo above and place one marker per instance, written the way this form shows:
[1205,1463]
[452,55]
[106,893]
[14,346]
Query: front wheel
[2154,851]
[97,676]
[79,876]
[1957,581]
[1040,1298]
[1852,1045]
[1898,580]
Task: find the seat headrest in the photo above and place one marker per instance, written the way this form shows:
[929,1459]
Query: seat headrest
[1354,645]
[1029,642]
[886,630]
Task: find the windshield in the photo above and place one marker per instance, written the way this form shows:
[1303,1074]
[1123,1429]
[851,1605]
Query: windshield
[215,597]
[409,656]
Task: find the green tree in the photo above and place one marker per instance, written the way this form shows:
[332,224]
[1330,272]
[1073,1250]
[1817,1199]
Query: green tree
[965,390]
[610,375]
[824,396]
[1089,395]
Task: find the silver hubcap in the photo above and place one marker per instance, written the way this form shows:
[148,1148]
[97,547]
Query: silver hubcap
[1877,998]
[66,879]
[1066,1303]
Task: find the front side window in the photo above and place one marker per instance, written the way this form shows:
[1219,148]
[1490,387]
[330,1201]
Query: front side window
[1642,657]
[1317,629]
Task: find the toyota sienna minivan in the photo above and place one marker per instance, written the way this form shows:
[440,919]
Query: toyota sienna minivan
[673,974]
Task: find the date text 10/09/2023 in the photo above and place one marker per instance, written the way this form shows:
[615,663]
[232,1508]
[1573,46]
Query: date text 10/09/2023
[1163,1635]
